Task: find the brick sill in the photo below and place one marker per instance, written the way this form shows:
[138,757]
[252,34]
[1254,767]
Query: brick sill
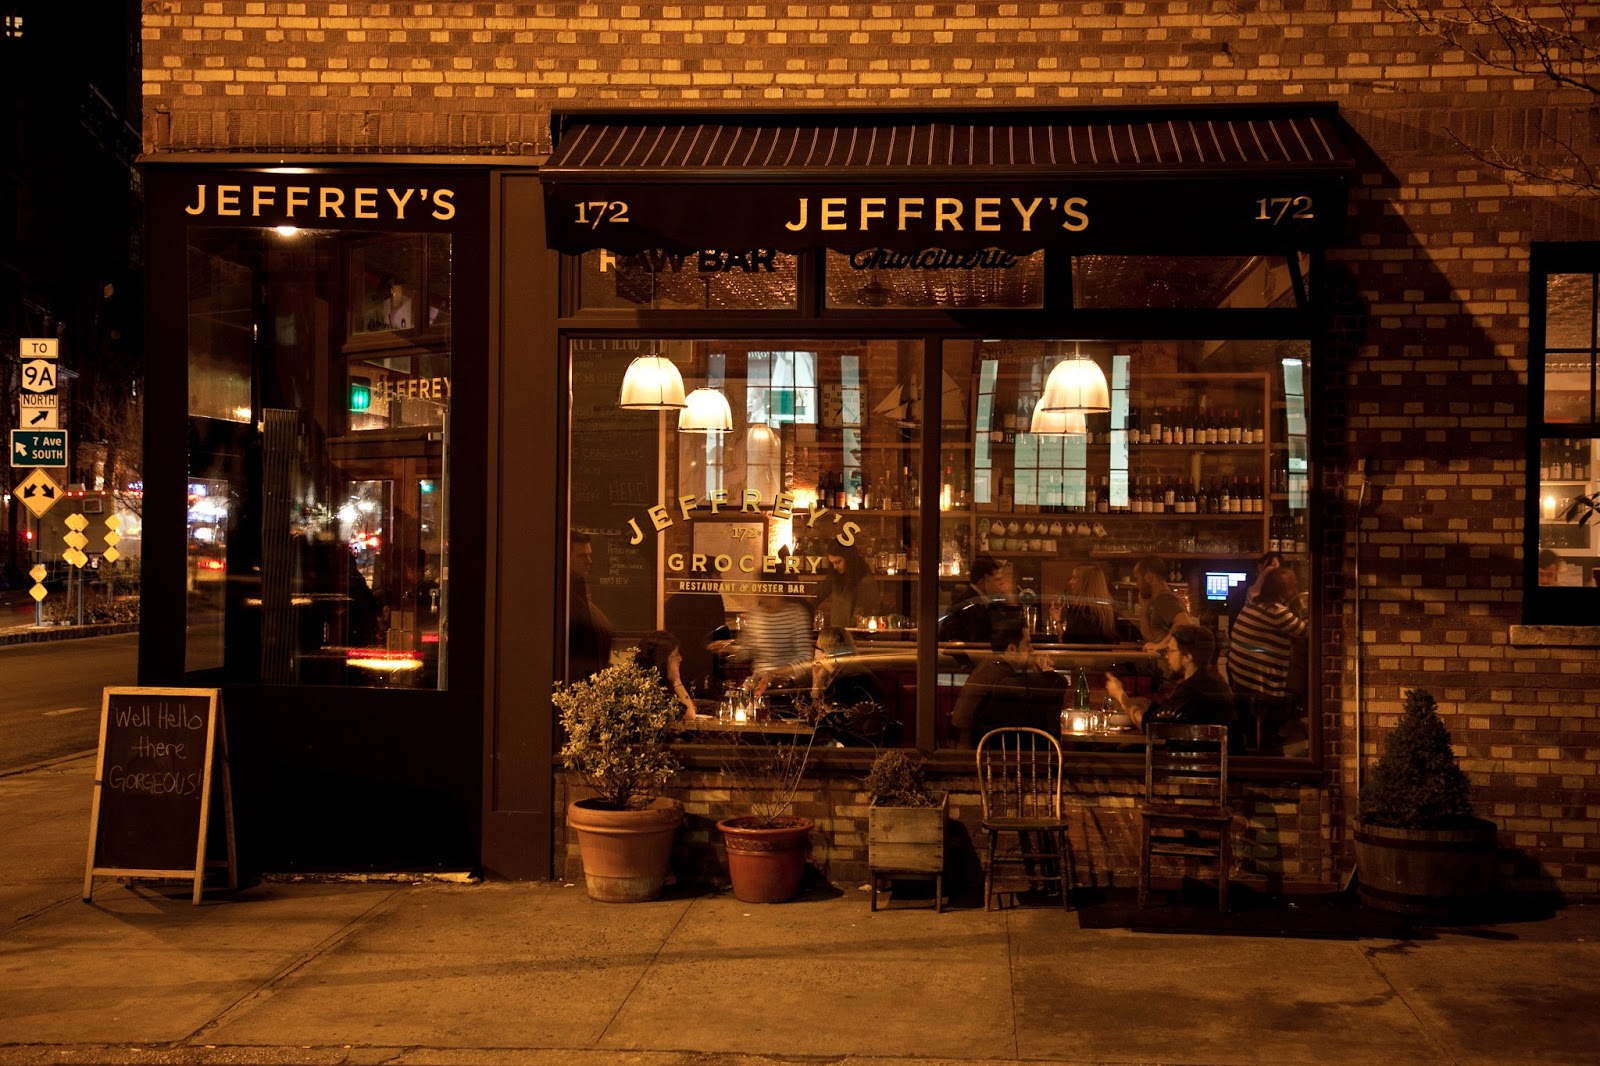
[1555,636]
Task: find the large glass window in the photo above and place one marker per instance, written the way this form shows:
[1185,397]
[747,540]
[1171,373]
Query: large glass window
[319,413]
[1562,549]
[778,557]
[1094,539]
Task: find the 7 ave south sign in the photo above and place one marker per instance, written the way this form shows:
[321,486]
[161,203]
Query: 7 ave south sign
[38,447]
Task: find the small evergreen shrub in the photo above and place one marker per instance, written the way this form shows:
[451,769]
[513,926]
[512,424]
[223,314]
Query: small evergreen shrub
[896,780]
[619,725]
[1417,783]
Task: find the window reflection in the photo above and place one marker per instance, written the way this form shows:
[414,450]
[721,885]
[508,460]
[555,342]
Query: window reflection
[319,437]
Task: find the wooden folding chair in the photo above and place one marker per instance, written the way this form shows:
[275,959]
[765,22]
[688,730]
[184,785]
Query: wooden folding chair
[1019,780]
[1184,812]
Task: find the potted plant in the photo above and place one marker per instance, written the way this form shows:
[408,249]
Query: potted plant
[1419,850]
[619,725]
[767,848]
[905,823]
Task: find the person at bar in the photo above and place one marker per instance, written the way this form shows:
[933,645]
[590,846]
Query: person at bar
[836,677]
[1087,616]
[589,631]
[1197,692]
[1549,567]
[1160,609]
[660,650]
[849,592]
[969,618]
[1014,687]
[1261,649]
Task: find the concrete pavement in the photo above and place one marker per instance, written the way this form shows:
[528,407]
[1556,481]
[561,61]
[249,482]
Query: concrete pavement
[434,972]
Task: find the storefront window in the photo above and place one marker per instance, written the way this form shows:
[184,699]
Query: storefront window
[779,556]
[935,278]
[743,280]
[1089,541]
[319,430]
[1172,281]
[1564,419]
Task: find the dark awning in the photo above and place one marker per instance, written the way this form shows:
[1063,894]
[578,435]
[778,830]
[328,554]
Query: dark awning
[1199,178]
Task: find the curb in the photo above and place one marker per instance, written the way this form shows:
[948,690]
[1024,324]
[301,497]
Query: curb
[41,634]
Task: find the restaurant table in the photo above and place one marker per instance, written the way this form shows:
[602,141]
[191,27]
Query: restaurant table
[772,727]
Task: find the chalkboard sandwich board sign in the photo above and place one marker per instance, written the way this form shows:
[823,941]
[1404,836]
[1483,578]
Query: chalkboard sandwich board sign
[153,786]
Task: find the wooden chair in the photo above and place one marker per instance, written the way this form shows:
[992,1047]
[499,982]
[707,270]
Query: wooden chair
[1019,780]
[1184,812]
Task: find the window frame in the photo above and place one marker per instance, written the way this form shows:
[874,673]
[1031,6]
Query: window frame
[1544,604]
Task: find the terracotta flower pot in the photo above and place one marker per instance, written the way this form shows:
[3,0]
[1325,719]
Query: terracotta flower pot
[765,863]
[625,853]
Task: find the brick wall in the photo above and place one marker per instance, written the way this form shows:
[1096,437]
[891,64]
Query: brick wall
[1280,831]
[1428,377]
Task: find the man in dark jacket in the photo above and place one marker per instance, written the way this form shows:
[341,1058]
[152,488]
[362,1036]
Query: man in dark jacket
[1200,695]
[1015,687]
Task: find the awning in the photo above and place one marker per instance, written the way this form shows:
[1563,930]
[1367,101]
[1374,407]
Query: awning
[1199,179]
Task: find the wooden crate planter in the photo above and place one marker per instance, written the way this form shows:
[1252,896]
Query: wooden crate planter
[907,842]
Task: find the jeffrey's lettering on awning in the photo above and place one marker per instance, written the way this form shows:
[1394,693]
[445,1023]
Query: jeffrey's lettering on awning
[1208,179]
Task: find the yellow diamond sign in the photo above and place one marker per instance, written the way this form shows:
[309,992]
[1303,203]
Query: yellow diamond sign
[76,522]
[75,557]
[37,592]
[113,522]
[39,573]
[38,492]
[111,555]
[75,539]
[112,537]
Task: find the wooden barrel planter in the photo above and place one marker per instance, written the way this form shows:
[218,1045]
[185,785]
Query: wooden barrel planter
[1432,873]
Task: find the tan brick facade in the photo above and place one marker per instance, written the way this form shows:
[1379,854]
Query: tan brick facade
[1431,277]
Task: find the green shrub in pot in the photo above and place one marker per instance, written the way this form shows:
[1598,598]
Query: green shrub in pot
[619,726]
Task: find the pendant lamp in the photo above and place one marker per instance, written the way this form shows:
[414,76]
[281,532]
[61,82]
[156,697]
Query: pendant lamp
[1058,423]
[705,411]
[1076,384]
[652,383]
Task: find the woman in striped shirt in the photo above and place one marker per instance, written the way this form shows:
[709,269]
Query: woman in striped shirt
[1263,638]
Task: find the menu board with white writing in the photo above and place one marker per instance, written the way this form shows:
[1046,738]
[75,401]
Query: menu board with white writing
[152,783]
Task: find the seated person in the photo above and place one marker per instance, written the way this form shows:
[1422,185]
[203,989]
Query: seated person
[1014,687]
[858,710]
[968,620]
[1549,567]
[695,617]
[835,678]
[1198,693]
[1087,616]
[660,650]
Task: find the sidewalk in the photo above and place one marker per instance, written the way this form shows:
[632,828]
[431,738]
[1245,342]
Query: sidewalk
[17,626]
[435,972]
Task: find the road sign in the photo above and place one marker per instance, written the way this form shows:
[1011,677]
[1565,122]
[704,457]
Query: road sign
[38,410]
[38,447]
[38,348]
[38,492]
[39,375]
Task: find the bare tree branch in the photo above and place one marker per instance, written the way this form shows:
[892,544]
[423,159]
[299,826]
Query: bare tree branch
[1552,41]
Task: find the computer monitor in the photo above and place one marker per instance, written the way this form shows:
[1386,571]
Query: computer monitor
[1219,582]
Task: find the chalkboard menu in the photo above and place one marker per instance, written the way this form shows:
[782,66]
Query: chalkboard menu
[153,784]
[615,476]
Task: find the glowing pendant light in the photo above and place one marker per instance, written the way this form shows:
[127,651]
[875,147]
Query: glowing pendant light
[1076,384]
[1058,423]
[706,411]
[652,383]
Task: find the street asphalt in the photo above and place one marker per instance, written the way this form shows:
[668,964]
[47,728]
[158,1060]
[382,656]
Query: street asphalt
[433,971]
